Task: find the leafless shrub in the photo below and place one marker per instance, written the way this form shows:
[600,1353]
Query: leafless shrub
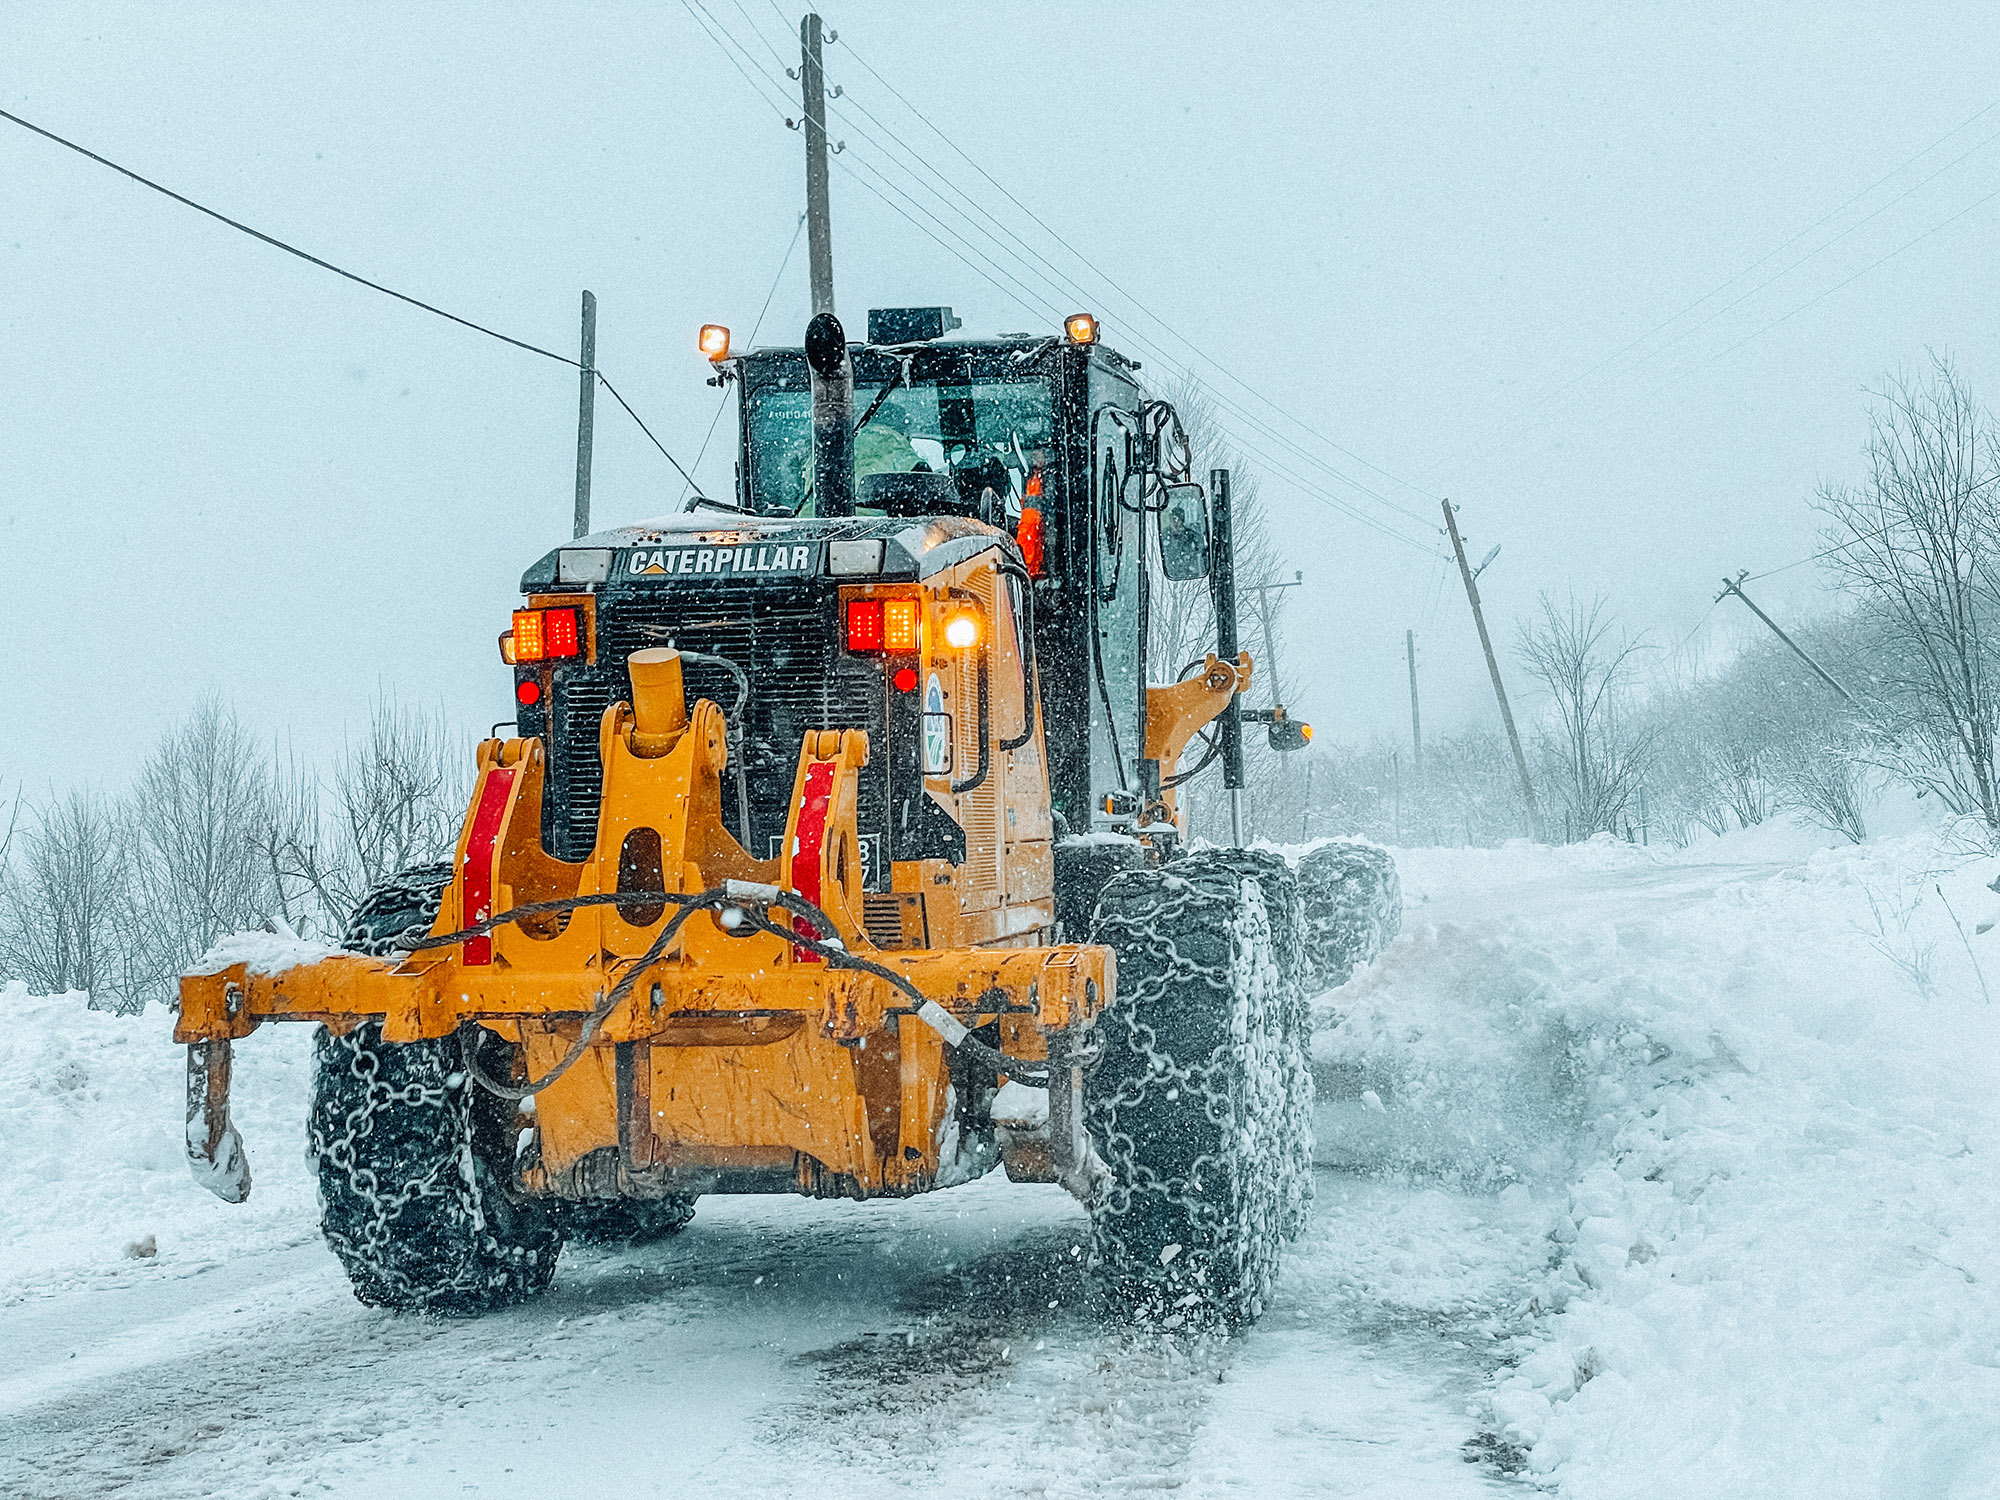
[65,908]
[1593,749]
[1892,932]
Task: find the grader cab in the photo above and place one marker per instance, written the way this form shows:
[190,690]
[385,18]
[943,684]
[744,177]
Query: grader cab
[836,852]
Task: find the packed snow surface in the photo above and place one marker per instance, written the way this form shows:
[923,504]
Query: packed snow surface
[1641,1174]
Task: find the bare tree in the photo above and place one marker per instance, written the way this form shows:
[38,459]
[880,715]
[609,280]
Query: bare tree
[1595,749]
[1919,540]
[64,907]
[394,800]
[200,810]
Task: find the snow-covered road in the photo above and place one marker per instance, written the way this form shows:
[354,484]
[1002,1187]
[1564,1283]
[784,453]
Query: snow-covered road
[1559,1202]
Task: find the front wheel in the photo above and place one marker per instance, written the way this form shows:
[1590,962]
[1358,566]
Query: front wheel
[415,1166]
[1195,1103]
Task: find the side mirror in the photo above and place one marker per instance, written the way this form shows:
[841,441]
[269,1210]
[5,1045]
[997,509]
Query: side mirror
[1184,532]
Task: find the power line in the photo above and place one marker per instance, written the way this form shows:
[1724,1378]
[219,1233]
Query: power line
[1054,276]
[1769,255]
[272,240]
[1120,290]
[342,271]
[723,404]
[1003,280]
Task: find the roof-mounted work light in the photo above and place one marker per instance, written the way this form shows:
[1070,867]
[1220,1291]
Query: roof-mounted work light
[1081,328]
[715,341]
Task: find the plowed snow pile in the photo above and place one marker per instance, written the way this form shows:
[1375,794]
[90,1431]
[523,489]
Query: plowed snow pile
[1762,1108]
[92,1159]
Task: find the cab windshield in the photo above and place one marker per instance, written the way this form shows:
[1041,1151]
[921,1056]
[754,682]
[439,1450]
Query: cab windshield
[981,435]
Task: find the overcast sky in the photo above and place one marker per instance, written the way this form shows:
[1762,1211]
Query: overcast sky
[1430,235]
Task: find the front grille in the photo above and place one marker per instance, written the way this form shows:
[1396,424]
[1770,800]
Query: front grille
[800,680]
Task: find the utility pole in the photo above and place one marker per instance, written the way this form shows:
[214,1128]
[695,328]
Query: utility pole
[819,224]
[1735,586]
[1416,720]
[586,407]
[1222,587]
[1493,667]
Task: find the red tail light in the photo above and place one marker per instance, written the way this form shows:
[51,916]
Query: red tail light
[864,625]
[559,632]
[1032,542]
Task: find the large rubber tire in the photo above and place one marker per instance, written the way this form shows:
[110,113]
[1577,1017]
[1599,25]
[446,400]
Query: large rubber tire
[407,899]
[415,1161]
[1353,904]
[1201,1101]
[627,1221]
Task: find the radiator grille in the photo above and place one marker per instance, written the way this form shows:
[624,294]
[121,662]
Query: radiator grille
[800,680]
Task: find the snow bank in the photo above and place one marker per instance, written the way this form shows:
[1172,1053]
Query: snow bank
[92,1159]
[1763,1104]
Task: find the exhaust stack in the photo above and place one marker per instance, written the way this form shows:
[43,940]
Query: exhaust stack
[833,416]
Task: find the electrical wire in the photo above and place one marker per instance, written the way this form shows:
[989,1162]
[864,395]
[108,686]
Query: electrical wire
[1011,245]
[342,271]
[1006,282]
[1054,276]
[723,405]
[1728,307]
[1122,292]
[1769,255]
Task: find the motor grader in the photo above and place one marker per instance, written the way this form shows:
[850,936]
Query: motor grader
[835,852]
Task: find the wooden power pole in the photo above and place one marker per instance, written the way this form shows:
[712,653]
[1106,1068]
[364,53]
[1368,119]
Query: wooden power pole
[1493,667]
[819,224]
[586,406]
[1735,586]
[1416,720]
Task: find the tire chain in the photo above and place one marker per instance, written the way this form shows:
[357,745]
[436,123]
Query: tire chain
[424,1237]
[1354,906]
[1253,1085]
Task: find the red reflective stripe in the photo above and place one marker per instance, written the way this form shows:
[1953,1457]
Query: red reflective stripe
[479,851]
[813,813]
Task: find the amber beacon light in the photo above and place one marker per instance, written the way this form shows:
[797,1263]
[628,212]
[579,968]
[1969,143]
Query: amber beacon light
[1081,328]
[715,341]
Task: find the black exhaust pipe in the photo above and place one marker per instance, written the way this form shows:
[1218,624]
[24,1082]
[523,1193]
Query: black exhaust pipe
[833,416]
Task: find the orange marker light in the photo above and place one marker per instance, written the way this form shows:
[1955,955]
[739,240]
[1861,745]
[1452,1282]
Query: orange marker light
[1081,328]
[899,625]
[528,635]
[864,625]
[559,636]
[715,341]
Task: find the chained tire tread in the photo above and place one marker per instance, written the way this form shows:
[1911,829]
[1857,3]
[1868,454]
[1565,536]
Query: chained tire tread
[414,1162]
[1201,1105]
[1353,906]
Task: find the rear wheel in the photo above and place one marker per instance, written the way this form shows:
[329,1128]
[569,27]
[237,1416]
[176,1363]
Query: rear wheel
[416,1162]
[1353,904]
[627,1221]
[1201,1101]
